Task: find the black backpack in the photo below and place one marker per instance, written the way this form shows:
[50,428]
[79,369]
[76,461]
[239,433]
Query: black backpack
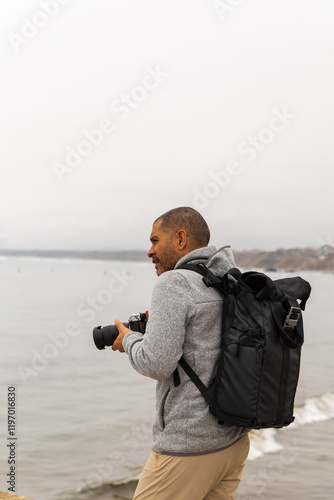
[255,378]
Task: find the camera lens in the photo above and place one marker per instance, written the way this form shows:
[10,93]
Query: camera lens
[106,335]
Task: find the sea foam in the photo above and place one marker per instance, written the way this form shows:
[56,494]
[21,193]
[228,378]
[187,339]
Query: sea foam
[317,409]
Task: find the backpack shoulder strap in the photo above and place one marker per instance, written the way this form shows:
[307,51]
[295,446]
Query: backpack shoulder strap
[201,269]
[223,285]
[192,375]
[210,279]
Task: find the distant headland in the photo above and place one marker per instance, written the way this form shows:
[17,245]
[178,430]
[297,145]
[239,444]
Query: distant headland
[316,259]
[313,259]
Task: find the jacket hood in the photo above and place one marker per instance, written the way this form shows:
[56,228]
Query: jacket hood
[218,261]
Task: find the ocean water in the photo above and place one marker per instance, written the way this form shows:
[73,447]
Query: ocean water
[83,416]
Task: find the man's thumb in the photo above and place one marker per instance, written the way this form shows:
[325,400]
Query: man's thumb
[119,325]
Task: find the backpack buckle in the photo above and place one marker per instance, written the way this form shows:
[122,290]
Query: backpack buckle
[292,318]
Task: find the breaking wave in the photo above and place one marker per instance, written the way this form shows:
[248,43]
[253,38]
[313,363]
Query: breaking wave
[263,441]
[109,490]
[317,409]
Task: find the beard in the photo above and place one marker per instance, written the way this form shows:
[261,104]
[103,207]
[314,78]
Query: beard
[168,260]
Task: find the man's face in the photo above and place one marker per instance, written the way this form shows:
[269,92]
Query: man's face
[162,252]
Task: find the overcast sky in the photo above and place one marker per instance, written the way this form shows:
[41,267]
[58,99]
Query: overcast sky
[114,111]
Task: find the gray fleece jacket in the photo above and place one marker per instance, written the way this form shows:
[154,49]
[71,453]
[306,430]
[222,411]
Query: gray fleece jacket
[185,320]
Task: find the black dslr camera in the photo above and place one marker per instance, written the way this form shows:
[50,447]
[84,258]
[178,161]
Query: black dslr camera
[106,335]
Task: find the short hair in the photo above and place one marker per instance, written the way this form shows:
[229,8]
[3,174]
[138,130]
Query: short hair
[190,220]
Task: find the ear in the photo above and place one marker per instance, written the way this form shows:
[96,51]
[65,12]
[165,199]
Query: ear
[182,239]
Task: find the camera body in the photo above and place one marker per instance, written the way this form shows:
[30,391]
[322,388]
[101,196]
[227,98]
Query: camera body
[106,335]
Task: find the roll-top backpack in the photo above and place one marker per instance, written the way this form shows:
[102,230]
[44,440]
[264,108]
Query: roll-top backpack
[255,378]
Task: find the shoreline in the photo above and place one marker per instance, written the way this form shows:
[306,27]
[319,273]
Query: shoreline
[288,261]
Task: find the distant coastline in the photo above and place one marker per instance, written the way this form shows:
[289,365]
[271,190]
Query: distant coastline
[136,255]
[316,259]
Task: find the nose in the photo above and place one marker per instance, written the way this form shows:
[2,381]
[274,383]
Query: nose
[150,253]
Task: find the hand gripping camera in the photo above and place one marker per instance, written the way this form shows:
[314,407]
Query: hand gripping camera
[106,335]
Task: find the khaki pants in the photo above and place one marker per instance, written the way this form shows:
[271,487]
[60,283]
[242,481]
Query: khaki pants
[213,476]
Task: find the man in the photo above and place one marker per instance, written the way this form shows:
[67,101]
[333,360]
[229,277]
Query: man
[194,457]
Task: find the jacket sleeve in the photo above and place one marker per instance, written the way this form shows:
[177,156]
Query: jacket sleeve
[157,353]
